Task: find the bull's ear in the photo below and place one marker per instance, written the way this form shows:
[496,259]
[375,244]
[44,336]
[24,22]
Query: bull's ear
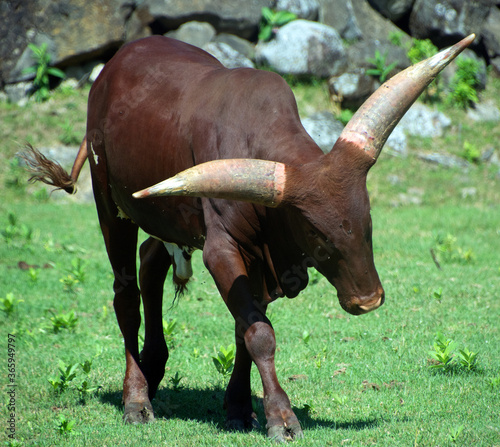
[374,121]
[257,181]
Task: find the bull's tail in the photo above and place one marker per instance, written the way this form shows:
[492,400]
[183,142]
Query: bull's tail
[52,173]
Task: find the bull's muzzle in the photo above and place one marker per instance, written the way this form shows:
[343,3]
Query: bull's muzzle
[361,305]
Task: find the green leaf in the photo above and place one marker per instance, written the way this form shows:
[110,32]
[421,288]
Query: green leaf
[283,17]
[265,33]
[267,14]
[56,72]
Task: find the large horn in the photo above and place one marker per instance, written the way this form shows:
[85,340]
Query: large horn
[257,181]
[374,121]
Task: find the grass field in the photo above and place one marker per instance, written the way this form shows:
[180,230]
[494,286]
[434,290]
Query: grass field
[367,380]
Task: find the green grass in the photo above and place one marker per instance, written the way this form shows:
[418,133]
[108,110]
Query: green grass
[352,380]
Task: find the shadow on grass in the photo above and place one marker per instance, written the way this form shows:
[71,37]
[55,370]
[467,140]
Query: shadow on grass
[206,406]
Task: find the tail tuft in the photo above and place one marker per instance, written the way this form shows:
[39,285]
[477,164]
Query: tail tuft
[47,171]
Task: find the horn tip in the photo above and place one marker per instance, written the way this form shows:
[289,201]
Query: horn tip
[141,194]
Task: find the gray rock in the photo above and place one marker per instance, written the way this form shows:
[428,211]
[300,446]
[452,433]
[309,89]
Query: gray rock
[445,160]
[351,89]
[227,55]
[194,33]
[18,93]
[484,111]
[340,15]
[235,17]
[304,48]
[491,33]
[324,129]
[397,143]
[393,9]
[422,121]
[242,46]
[303,9]
[446,20]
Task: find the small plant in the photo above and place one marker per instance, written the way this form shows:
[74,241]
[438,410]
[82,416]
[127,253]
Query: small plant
[9,304]
[471,153]
[339,400]
[175,381]
[442,353]
[224,360]
[168,329]
[271,20]
[33,274]
[77,269]
[495,382]
[69,283]
[65,426]
[420,50]
[463,86]
[345,116]
[381,70]
[396,38]
[306,336]
[444,360]
[448,250]
[455,433]
[66,374]
[63,321]
[467,359]
[42,71]
[14,231]
[438,294]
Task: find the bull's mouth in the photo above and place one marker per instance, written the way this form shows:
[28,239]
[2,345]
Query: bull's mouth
[362,305]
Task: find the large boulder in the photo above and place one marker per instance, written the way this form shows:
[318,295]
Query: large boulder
[74,31]
[393,9]
[491,37]
[194,33]
[236,17]
[340,15]
[445,21]
[304,48]
[303,9]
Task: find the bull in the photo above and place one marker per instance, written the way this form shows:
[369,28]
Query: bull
[246,184]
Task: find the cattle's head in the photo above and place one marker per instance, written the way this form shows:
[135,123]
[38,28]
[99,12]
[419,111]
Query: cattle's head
[327,200]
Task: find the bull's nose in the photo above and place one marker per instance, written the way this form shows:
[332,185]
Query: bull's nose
[363,305]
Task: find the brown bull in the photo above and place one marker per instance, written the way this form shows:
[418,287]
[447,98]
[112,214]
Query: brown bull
[257,195]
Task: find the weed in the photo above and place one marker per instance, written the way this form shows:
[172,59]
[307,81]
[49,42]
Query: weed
[339,400]
[224,360]
[63,321]
[13,231]
[69,283]
[444,360]
[345,116]
[455,433]
[381,70]
[168,329]
[442,353]
[176,380]
[77,270]
[421,49]
[9,304]
[495,382]
[271,20]
[471,153]
[42,71]
[306,336]
[438,294]
[66,374]
[463,86]
[396,38]
[65,426]
[448,250]
[467,359]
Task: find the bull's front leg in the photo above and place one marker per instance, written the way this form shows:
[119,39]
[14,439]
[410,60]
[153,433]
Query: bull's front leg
[255,341]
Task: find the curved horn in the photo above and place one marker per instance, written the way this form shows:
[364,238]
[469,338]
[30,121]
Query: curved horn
[374,121]
[258,181]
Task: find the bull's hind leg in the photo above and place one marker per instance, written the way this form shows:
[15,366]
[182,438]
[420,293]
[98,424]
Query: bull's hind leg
[155,262]
[120,236]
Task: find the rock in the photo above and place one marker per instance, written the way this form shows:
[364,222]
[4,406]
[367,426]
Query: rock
[445,160]
[96,71]
[324,129]
[491,33]
[194,33]
[445,21]
[242,46]
[485,111]
[75,31]
[393,9]
[236,17]
[302,47]
[422,121]
[227,55]
[19,93]
[360,53]
[340,15]
[397,143]
[351,89]
[303,9]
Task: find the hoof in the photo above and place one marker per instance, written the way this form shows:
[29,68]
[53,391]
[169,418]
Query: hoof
[282,433]
[243,425]
[138,413]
